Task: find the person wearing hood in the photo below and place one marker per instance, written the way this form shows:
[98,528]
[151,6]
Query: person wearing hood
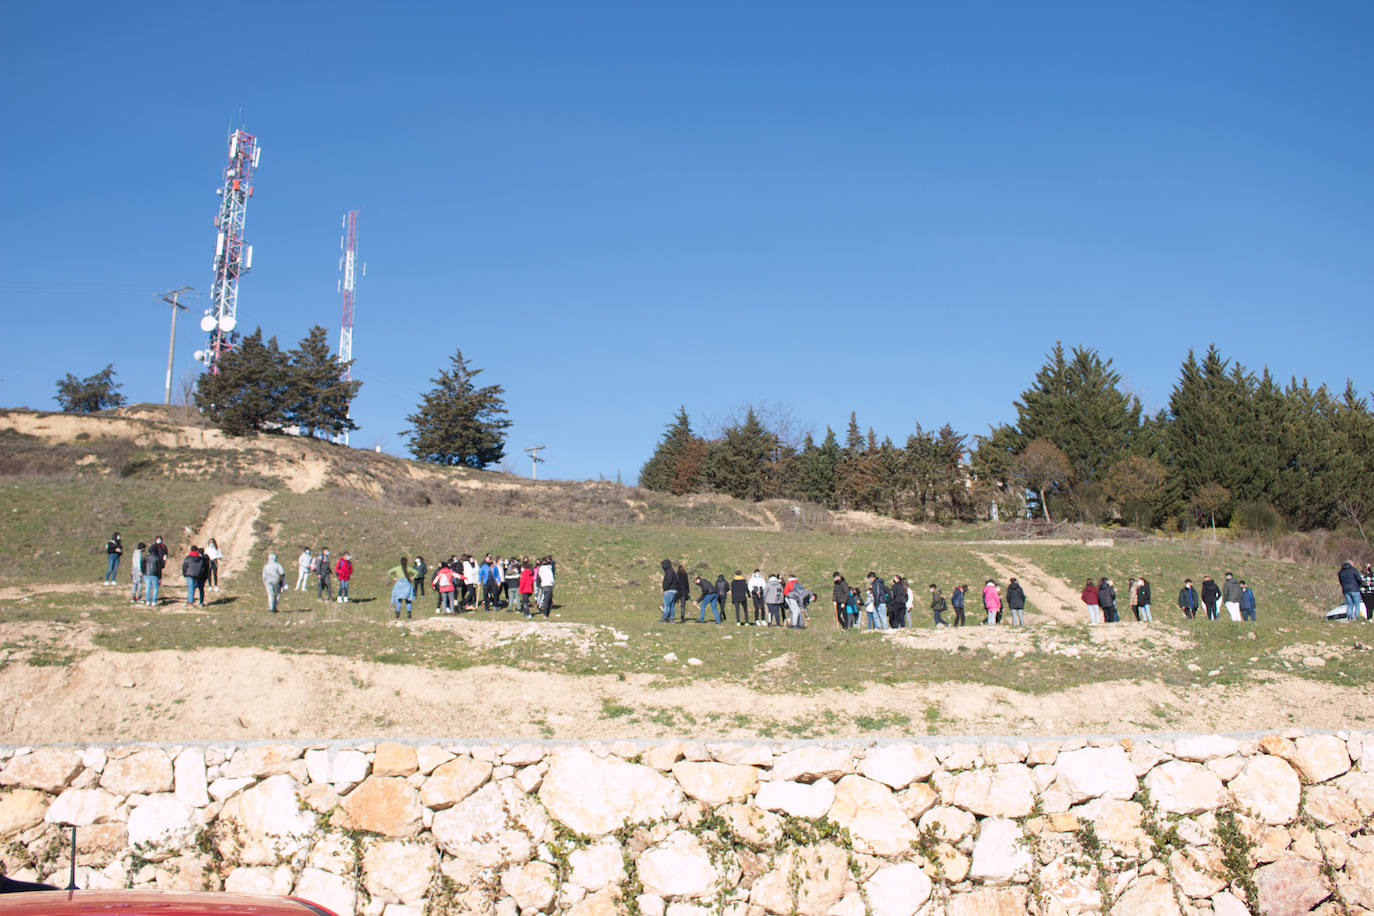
[669,590]
[722,592]
[1089,597]
[114,549]
[896,603]
[684,592]
[840,595]
[304,563]
[772,596]
[739,597]
[956,601]
[273,578]
[1210,596]
[1349,579]
[1106,599]
[1016,602]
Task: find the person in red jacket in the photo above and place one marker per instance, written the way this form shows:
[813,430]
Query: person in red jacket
[526,586]
[343,571]
[1089,597]
[445,583]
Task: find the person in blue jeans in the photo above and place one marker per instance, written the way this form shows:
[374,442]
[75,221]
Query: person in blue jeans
[114,549]
[152,576]
[669,590]
[1247,602]
[708,596]
[1349,577]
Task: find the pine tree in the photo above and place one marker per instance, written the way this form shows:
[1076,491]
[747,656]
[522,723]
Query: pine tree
[317,397]
[740,464]
[1077,404]
[853,439]
[248,394]
[457,423]
[677,462]
[89,394]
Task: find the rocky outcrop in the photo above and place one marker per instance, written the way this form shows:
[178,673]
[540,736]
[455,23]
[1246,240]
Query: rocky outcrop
[1195,825]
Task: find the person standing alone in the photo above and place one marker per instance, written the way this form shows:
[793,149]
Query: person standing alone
[273,578]
[114,549]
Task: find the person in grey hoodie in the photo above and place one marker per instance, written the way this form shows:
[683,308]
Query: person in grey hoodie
[273,578]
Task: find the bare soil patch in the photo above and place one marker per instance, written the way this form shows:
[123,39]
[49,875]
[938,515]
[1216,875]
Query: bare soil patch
[250,693]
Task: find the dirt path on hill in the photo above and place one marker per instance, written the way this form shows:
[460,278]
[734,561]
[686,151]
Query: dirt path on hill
[1044,593]
[230,522]
[211,694]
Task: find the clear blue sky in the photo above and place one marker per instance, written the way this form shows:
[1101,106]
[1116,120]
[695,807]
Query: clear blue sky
[616,209]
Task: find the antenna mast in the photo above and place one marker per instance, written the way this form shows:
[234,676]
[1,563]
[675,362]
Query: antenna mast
[533,451]
[232,257]
[348,267]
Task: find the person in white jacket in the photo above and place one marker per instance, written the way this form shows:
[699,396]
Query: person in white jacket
[303,564]
[756,584]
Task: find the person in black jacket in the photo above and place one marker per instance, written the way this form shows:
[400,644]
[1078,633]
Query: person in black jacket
[739,597]
[937,605]
[896,603]
[1142,598]
[684,591]
[1106,599]
[709,596]
[1349,579]
[1210,596]
[669,590]
[1187,599]
[956,601]
[841,596]
[1016,602]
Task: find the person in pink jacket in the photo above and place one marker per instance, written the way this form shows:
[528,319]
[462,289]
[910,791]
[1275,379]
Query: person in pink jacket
[992,602]
[343,571]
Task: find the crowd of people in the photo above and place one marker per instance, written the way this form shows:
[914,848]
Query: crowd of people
[874,604]
[148,566]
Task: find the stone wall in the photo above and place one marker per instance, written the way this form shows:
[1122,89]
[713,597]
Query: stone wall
[1194,824]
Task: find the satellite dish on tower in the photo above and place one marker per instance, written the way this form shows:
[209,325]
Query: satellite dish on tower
[228,323]
[199,356]
[207,324]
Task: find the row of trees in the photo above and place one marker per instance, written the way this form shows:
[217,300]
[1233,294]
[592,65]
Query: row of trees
[261,388]
[1230,443]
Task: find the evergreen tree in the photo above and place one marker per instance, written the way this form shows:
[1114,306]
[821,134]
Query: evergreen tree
[317,396]
[89,394]
[814,479]
[248,394]
[853,439]
[951,474]
[1077,404]
[1354,468]
[457,423]
[677,463]
[741,463]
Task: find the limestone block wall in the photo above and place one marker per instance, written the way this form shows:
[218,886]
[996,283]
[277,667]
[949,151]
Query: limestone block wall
[1280,823]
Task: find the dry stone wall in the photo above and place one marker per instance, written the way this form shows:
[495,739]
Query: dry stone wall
[1280,823]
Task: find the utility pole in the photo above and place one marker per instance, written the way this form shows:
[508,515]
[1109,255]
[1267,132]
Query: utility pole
[533,451]
[170,297]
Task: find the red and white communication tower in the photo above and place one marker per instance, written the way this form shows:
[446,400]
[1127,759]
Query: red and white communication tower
[232,257]
[349,268]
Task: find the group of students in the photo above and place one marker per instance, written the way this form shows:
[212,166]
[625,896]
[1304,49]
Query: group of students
[200,569]
[462,583]
[1233,594]
[781,600]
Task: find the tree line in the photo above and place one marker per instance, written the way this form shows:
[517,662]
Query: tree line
[1232,445]
[307,390]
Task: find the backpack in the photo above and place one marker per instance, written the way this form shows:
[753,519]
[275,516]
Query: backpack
[940,602]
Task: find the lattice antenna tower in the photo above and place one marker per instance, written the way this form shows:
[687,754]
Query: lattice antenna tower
[233,257]
[349,268]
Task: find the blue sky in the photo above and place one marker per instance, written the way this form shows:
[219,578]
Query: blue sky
[615,209]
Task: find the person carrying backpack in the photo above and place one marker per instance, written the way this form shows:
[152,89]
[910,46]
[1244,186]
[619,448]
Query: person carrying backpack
[937,605]
[344,571]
